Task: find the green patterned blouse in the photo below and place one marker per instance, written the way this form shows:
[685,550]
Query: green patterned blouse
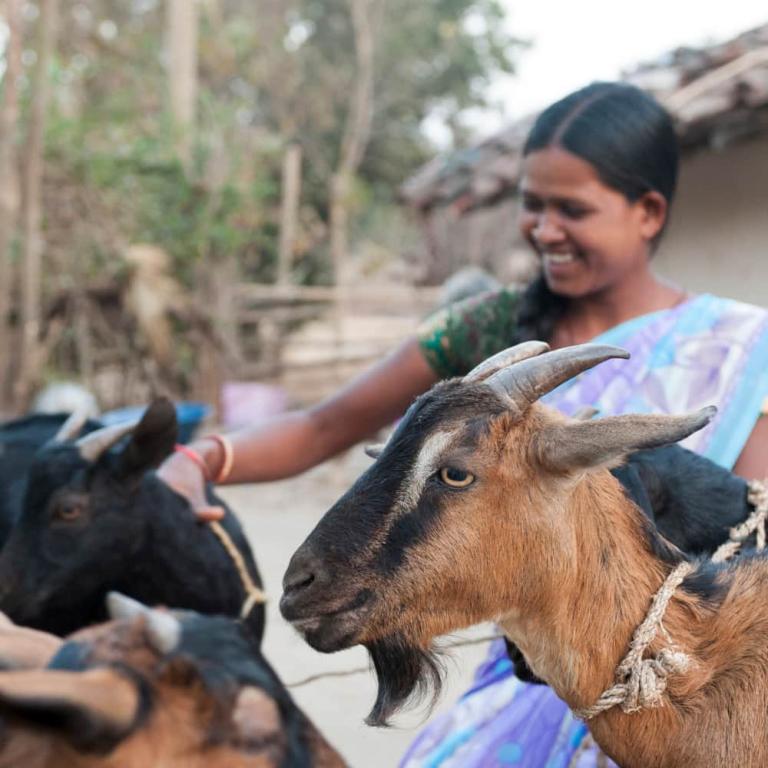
[455,339]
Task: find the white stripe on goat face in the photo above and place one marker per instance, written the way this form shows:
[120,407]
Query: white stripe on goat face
[426,464]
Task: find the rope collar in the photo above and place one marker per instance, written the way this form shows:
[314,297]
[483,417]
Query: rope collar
[253,594]
[641,682]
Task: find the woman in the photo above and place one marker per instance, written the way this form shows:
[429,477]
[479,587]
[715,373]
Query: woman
[598,177]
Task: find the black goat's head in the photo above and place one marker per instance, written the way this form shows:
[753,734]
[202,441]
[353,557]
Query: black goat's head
[79,523]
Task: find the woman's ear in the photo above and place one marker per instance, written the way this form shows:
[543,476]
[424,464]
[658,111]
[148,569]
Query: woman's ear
[653,211]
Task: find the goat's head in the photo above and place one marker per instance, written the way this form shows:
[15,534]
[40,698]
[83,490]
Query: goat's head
[79,524]
[154,687]
[436,535]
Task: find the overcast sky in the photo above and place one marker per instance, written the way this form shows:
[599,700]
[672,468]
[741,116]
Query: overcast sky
[575,42]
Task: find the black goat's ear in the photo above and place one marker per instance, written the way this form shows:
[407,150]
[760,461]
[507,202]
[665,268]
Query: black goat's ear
[152,440]
[93,709]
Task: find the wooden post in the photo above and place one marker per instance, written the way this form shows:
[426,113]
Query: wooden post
[289,211]
[31,275]
[9,187]
[181,50]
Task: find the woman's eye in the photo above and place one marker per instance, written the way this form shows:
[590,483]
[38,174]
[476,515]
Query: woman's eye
[456,478]
[532,204]
[573,211]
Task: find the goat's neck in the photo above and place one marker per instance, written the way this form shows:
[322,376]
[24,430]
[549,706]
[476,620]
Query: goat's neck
[585,596]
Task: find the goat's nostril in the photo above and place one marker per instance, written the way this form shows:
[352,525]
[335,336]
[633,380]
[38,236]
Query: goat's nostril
[294,582]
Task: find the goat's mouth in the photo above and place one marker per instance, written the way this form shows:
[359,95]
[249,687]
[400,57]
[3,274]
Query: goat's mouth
[329,628]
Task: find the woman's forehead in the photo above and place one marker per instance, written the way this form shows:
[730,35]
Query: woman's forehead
[555,172]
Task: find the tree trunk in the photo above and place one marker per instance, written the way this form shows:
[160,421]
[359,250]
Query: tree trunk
[357,132]
[9,188]
[181,45]
[291,189]
[31,276]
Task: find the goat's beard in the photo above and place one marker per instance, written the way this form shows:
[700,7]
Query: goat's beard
[405,672]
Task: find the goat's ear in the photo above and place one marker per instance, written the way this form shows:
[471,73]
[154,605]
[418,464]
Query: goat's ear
[582,444]
[256,716]
[93,709]
[152,440]
[24,648]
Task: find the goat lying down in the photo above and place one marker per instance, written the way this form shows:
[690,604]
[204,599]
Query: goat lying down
[149,688]
[485,504]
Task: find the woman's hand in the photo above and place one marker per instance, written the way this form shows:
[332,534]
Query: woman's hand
[185,476]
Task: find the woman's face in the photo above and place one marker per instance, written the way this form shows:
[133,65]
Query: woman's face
[589,237]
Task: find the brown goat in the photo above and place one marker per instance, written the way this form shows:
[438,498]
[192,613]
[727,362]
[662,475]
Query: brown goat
[486,505]
[151,689]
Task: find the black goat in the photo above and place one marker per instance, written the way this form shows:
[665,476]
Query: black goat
[95,520]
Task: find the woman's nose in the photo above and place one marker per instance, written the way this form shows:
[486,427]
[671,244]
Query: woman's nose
[547,231]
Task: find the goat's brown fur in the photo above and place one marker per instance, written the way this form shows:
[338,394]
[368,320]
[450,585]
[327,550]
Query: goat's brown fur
[185,726]
[564,561]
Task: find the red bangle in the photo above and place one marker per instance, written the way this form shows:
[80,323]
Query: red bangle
[194,456]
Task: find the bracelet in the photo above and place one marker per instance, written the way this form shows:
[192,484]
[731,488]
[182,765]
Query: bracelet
[194,456]
[229,457]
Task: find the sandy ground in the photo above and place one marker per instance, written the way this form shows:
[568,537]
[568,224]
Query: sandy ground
[277,518]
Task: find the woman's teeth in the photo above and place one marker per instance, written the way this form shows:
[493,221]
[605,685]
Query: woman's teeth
[558,258]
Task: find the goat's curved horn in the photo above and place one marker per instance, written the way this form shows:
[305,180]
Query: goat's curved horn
[582,444]
[526,381]
[163,631]
[71,427]
[93,446]
[505,358]
[120,606]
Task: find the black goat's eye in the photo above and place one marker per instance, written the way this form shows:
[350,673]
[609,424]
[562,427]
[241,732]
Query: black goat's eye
[456,478]
[68,513]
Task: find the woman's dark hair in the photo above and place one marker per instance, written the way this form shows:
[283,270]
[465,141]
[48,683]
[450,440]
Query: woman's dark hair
[628,138]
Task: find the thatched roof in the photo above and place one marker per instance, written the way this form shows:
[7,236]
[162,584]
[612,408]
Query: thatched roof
[717,94]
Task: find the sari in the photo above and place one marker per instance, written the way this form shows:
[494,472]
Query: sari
[705,351]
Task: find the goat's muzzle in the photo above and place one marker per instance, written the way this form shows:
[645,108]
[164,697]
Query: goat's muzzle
[329,619]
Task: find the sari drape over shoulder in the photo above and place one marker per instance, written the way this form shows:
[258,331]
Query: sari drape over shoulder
[706,351]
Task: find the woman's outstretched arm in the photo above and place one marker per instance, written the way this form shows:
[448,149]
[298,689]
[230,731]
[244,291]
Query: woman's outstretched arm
[293,442]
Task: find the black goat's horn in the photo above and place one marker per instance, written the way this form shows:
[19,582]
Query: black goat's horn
[93,446]
[525,382]
[505,358]
[71,427]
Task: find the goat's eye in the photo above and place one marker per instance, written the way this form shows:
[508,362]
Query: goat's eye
[456,478]
[68,513]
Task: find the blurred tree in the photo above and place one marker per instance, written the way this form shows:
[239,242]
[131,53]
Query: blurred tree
[9,187]
[32,236]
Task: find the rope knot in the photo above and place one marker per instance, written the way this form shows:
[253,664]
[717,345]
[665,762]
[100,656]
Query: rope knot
[648,679]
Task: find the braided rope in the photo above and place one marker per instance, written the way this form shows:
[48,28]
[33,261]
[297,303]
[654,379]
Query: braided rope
[253,593]
[641,682]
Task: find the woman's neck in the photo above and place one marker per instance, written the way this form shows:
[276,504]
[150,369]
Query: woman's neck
[589,316]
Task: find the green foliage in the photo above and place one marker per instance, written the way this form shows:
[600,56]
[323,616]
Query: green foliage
[270,72]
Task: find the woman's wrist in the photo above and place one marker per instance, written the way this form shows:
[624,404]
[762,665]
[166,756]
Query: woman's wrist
[218,455]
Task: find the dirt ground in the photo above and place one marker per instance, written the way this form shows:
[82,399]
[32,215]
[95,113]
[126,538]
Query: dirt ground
[277,518]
